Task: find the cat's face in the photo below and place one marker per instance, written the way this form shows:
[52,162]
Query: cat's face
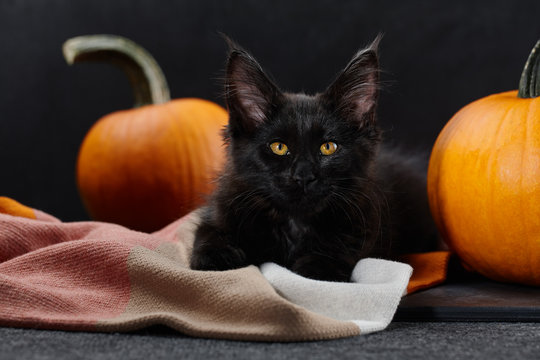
[298,152]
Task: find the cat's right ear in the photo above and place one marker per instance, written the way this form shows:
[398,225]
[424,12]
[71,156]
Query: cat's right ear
[251,96]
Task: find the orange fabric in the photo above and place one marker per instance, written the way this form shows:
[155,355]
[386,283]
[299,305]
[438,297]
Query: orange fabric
[429,269]
[12,207]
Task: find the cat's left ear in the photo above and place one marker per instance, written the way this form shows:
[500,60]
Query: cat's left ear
[354,93]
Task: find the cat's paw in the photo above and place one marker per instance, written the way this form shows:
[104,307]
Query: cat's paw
[223,258]
[318,268]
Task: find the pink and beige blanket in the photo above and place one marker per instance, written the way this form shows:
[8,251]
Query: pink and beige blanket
[93,276]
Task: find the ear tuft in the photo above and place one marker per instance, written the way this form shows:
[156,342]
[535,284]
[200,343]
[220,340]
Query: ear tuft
[354,92]
[251,96]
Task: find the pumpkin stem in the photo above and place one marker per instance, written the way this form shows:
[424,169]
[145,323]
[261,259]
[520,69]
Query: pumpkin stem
[146,78]
[529,84]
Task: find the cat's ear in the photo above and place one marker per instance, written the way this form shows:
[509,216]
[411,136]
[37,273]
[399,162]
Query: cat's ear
[251,96]
[354,92]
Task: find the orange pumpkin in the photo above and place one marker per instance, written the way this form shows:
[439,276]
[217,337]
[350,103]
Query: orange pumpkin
[484,182]
[145,167]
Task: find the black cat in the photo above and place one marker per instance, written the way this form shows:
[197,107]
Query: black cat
[305,184]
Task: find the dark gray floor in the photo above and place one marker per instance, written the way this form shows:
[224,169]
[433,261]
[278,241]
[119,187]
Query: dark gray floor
[400,341]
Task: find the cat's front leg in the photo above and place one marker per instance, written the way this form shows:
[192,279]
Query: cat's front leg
[213,250]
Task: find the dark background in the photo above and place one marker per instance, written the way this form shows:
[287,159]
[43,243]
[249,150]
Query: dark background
[437,57]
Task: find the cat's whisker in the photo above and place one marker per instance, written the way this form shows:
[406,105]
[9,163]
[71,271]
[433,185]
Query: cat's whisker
[240,199]
[377,207]
[352,207]
[250,203]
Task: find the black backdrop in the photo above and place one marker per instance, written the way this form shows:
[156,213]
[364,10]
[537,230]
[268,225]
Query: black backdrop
[437,57]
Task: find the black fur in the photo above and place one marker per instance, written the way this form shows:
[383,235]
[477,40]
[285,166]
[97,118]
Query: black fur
[317,215]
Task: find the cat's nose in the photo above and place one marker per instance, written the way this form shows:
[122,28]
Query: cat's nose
[303,175]
[304,180]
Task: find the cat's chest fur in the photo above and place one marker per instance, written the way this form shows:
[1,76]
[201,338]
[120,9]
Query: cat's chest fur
[294,236]
[281,239]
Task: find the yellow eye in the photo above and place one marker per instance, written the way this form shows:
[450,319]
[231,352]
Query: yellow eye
[328,148]
[279,148]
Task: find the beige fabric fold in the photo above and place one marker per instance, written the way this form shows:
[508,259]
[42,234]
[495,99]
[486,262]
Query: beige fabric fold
[237,304]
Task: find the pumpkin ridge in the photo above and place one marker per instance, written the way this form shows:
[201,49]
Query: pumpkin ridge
[531,122]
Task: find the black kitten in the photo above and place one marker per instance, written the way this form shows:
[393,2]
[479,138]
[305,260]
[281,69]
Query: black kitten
[305,184]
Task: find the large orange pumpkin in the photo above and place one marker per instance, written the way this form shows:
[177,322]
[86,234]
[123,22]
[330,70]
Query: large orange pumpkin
[147,166]
[484,182]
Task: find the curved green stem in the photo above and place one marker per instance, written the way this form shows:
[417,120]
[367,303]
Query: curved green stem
[146,78]
[529,84]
